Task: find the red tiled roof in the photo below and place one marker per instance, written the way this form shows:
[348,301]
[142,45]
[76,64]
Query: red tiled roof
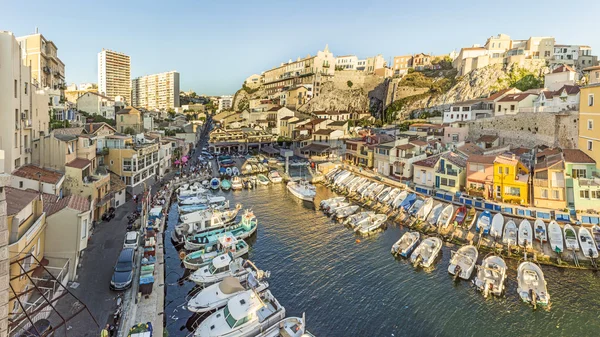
[405,147]
[570,89]
[323,132]
[577,156]
[72,201]
[30,172]
[562,69]
[17,199]
[79,163]
[470,149]
[418,142]
[514,97]
[497,95]
[479,159]
[428,162]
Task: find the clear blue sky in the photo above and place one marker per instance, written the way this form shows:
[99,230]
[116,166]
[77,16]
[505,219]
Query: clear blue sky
[215,45]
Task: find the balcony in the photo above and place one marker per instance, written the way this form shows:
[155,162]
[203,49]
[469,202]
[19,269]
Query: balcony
[540,182]
[27,124]
[590,182]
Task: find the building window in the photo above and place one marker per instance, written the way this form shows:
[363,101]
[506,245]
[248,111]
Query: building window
[595,194]
[590,124]
[16,89]
[544,193]
[584,194]
[512,107]
[555,195]
[500,170]
[506,170]
[512,191]
[591,100]
[84,229]
[579,173]
[20,184]
[26,87]
[589,145]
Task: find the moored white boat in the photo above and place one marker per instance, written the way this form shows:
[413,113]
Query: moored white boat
[491,275]
[371,224]
[525,234]
[462,262]
[399,199]
[344,212]
[570,238]
[275,177]
[288,327]
[326,202]
[262,179]
[425,209]
[216,295]
[445,216]
[227,244]
[406,244]
[302,189]
[434,214]
[586,241]
[510,233]
[556,237]
[219,268]
[539,228]
[390,196]
[531,284]
[497,226]
[236,183]
[355,219]
[333,207]
[425,253]
[484,222]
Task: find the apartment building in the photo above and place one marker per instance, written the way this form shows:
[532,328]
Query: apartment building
[158,92]
[114,74]
[4,258]
[254,81]
[97,104]
[24,107]
[225,103]
[129,119]
[309,70]
[42,56]
[347,62]
[401,64]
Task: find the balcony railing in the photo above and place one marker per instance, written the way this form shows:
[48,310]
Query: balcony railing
[552,109]
[540,182]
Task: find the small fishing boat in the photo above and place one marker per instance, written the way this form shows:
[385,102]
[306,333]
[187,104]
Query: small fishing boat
[588,246]
[324,204]
[288,327]
[525,234]
[302,190]
[399,199]
[556,237]
[570,238]
[408,202]
[228,171]
[225,185]
[344,212]
[416,206]
[356,185]
[462,262]
[406,244]
[335,206]
[390,196]
[219,268]
[497,226]
[425,253]
[235,171]
[596,234]
[484,222]
[379,197]
[539,228]
[532,285]
[510,233]
[470,218]
[460,215]
[343,175]
[434,214]
[245,228]
[445,217]
[424,211]
[262,179]
[368,189]
[227,244]
[371,224]
[490,276]
[236,183]
[253,181]
[363,187]
[374,192]
[216,296]
[355,219]
[275,177]
[205,183]
[215,183]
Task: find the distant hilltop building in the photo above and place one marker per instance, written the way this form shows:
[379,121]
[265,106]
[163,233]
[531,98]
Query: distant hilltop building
[158,92]
[114,74]
[225,103]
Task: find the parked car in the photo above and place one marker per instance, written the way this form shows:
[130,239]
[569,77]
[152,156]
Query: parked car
[131,240]
[123,272]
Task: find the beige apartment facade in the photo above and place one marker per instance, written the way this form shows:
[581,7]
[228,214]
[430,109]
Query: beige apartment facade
[114,74]
[158,92]
[42,56]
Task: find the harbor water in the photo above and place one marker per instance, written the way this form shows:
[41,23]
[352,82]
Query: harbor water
[350,288]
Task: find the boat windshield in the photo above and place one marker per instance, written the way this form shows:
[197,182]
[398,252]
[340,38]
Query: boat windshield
[228,318]
[211,268]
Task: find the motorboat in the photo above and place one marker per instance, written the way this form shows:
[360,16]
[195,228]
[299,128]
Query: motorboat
[375,191]
[343,175]
[355,219]
[246,314]
[343,182]
[216,295]
[555,234]
[408,202]
[539,229]
[227,244]
[469,218]
[236,183]
[462,262]
[326,202]
[596,235]
[302,190]
[360,189]
[445,216]
[205,183]
[570,238]
[215,183]
[416,206]
[367,190]
[335,206]
[262,179]
[288,327]
[228,171]
[434,214]
[383,194]
[218,203]
[532,285]
[510,233]
[275,177]
[497,226]
[344,212]
[357,185]
[219,268]
[425,253]
[406,244]
[491,276]
[484,222]
[235,171]
[588,246]
[399,199]
[371,224]
[526,234]
[192,191]
[390,196]
[242,230]
[354,183]
[202,221]
[425,209]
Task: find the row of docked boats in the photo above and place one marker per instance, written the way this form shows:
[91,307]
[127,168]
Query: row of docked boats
[363,222]
[239,183]
[234,293]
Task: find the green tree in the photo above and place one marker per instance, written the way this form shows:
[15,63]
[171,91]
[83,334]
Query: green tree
[350,84]
[129,131]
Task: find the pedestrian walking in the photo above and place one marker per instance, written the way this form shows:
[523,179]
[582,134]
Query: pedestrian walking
[104,332]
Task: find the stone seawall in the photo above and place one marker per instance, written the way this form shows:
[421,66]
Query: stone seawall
[530,129]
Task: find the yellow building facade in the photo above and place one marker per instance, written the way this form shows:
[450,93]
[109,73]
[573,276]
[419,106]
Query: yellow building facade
[511,180]
[589,121]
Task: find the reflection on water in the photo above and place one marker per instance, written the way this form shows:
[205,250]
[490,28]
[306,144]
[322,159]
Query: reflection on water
[348,288]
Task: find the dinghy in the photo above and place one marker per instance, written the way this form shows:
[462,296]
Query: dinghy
[406,244]
[216,296]
[390,196]
[596,234]
[399,199]
[531,284]
[225,185]
[215,183]
[371,224]
[490,276]
[556,237]
[588,246]
[275,177]
[326,202]
[417,205]
[236,183]
[425,209]
[539,228]
[434,214]
[525,234]
[571,238]
[408,202]
[262,179]
[445,217]
[344,212]
[424,255]
[510,233]
[497,225]
[484,222]
[355,219]
[463,262]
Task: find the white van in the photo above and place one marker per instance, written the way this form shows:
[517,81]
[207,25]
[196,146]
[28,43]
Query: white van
[131,240]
